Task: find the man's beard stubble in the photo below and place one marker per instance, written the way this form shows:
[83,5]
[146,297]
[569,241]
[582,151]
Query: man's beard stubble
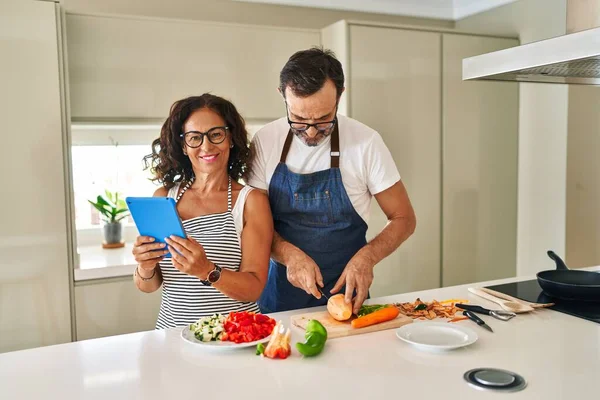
[312,142]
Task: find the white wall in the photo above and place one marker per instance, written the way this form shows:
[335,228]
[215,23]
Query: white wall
[542,134]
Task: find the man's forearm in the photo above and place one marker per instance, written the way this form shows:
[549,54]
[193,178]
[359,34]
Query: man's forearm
[281,249]
[389,239]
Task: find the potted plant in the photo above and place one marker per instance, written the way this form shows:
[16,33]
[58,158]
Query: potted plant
[112,210]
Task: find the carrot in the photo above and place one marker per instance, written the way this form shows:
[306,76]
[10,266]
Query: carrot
[382,315]
[458,319]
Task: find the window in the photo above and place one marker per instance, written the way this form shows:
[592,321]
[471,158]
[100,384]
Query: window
[110,156]
[116,168]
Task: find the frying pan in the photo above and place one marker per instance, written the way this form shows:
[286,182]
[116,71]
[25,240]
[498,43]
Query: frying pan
[567,284]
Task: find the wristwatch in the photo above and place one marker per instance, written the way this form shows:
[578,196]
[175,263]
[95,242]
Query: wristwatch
[213,276]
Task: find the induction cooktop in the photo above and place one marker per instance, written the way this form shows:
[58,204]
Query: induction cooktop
[532,292]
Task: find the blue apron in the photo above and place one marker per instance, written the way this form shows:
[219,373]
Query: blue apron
[314,213]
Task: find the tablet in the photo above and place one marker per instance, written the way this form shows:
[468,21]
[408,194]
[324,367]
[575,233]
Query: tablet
[155,217]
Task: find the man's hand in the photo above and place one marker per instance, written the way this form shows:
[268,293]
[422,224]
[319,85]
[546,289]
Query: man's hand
[304,273]
[358,275]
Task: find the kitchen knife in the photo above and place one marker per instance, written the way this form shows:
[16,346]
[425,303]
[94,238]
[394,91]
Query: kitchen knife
[477,320]
[498,314]
[324,295]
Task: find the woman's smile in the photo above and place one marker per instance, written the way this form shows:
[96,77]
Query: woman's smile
[209,158]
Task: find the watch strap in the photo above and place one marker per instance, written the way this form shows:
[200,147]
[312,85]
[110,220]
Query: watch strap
[206,281]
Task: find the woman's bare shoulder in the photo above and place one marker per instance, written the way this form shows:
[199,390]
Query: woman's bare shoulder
[257,201]
[161,192]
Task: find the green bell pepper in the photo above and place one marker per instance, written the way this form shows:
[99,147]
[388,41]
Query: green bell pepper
[315,326]
[316,336]
[260,349]
[314,344]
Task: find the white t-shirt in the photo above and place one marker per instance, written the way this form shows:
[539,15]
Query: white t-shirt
[366,165]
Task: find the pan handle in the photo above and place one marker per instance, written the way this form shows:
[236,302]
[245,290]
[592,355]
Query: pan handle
[560,264]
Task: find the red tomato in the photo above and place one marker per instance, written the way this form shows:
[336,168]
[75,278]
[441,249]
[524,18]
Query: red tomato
[244,326]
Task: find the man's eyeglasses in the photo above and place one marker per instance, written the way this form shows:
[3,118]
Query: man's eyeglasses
[215,135]
[322,127]
[319,126]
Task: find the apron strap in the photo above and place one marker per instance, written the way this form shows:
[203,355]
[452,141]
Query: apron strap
[335,147]
[229,195]
[286,146]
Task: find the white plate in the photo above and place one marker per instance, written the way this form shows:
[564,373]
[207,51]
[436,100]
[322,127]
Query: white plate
[188,336]
[436,336]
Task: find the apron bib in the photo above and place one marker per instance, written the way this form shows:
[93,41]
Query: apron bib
[315,214]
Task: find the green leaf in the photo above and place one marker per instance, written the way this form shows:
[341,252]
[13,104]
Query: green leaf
[368,309]
[110,206]
[121,204]
[100,207]
[102,201]
[108,195]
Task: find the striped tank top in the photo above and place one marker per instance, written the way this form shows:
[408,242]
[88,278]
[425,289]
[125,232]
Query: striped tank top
[184,298]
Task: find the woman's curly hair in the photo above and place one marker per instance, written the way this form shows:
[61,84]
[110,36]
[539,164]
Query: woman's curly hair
[167,162]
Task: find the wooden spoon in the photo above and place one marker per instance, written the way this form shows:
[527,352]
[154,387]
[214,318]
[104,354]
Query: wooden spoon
[508,297]
[512,306]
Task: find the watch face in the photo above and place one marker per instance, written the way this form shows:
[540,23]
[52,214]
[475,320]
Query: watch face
[214,276]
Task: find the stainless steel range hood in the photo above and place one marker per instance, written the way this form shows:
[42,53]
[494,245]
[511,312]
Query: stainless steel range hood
[573,58]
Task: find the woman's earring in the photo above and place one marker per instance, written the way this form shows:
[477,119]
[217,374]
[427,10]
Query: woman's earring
[231,147]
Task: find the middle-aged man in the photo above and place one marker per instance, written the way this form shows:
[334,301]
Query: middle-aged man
[320,170]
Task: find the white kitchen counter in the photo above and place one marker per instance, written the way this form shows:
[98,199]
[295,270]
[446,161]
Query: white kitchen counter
[558,355]
[98,263]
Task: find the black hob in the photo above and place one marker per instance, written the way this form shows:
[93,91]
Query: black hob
[532,292]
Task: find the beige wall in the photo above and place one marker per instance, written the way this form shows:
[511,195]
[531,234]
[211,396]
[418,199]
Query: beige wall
[238,12]
[542,134]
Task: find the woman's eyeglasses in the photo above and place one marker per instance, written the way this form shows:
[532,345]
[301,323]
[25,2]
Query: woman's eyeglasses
[215,135]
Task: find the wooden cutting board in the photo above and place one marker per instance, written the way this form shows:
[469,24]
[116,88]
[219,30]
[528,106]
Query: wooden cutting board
[337,329]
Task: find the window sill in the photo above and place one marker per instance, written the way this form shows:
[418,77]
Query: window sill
[98,263]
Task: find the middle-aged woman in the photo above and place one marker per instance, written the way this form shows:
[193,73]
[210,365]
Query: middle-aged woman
[222,265]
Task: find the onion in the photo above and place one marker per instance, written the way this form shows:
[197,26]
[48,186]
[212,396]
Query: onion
[338,309]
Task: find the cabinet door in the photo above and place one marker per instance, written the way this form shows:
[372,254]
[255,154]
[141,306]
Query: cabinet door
[583,178]
[114,308]
[136,68]
[480,143]
[34,279]
[395,89]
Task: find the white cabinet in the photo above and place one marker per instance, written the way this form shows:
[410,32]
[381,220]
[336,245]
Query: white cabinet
[455,145]
[480,148]
[135,68]
[395,88]
[583,178]
[34,279]
[107,308]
